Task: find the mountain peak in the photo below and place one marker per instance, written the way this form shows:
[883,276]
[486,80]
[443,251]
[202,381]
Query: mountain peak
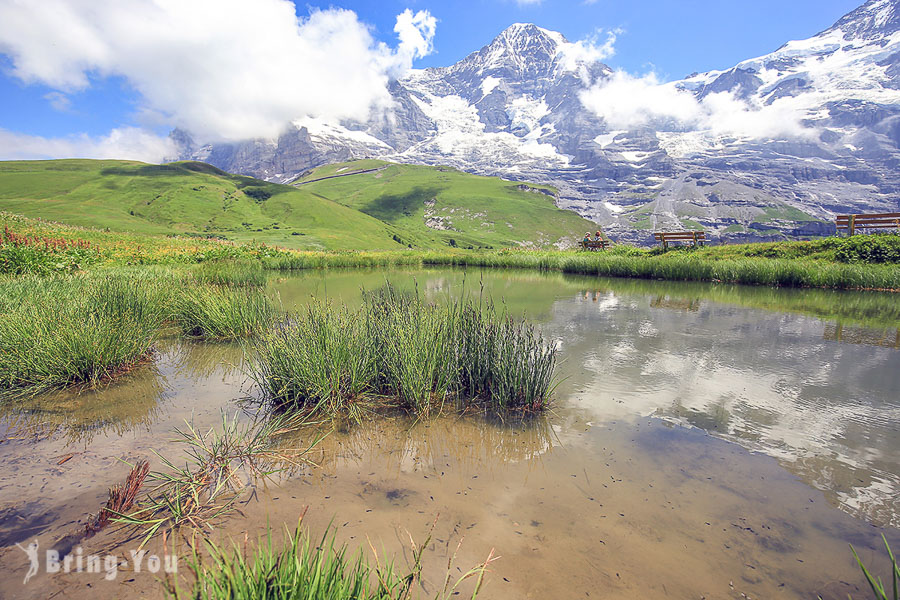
[529,32]
[522,50]
[874,19]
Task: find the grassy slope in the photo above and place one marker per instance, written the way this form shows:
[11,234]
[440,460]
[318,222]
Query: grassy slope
[476,209]
[180,198]
[860,262]
[193,197]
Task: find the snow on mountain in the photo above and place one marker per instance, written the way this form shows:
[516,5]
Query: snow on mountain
[773,146]
[847,62]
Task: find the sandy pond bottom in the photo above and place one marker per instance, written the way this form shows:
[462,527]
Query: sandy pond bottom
[705,443]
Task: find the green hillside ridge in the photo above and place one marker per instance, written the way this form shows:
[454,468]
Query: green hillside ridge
[336,214]
[449,203]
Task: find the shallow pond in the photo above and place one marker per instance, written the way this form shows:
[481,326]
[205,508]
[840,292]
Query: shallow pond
[705,441]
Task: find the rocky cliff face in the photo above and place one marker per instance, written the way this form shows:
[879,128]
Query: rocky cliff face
[515,109]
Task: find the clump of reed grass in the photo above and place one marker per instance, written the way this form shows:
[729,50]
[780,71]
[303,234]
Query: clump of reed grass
[223,313]
[401,351]
[320,357]
[76,330]
[314,569]
[464,351]
[414,343]
[85,329]
[234,273]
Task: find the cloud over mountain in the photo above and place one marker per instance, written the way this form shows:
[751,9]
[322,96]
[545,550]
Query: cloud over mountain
[222,69]
[627,101]
[130,143]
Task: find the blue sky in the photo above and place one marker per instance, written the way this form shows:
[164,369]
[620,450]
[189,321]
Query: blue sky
[81,93]
[675,37]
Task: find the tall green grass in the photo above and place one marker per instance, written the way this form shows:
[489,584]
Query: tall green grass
[402,351]
[687,266]
[414,344]
[302,569]
[308,569]
[879,588]
[837,265]
[322,260]
[223,313]
[82,329]
[234,273]
[321,357]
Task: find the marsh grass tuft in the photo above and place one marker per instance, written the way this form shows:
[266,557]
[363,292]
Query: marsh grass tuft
[223,313]
[86,329]
[321,357]
[413,345]
[234,273]
[76,330]
[398,350]
[307,568]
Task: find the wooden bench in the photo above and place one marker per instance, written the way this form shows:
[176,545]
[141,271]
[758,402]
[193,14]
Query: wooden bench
[695,237]
[870,221]
[594,244]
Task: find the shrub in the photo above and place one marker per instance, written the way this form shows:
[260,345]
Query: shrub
[875,248]
[260,194]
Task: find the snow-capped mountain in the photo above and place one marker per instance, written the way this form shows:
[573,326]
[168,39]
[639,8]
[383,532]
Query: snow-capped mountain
[511,107]
[774,146]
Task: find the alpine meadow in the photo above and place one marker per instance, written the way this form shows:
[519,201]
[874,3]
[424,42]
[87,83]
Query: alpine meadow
[450,300]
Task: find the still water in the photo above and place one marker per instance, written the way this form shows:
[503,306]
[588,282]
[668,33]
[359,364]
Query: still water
[705,441]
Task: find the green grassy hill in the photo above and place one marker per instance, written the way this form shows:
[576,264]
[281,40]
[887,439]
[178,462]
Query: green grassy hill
[449,203]
[380,210]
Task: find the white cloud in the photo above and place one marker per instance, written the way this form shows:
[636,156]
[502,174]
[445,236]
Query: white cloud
[222,69]
[122,143]
[528,2]
[416,34]
[58,101]
[597,47]
[625,101]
